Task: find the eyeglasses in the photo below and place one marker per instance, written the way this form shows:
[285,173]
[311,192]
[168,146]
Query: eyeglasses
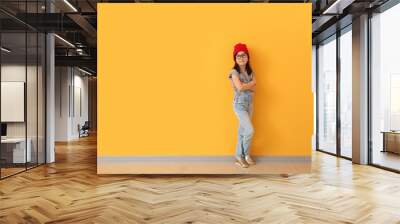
[241,56]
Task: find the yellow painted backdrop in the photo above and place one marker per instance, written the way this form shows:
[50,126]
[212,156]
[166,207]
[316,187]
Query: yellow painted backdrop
[162,78]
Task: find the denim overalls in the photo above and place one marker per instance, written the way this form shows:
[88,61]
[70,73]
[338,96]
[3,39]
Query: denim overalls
[243,107]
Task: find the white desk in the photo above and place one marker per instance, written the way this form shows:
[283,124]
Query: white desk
[19,149]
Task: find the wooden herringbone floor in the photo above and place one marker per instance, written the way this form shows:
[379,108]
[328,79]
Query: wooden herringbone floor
[69,191]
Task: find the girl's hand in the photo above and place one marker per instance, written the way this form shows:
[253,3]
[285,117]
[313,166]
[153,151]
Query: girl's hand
[253,88]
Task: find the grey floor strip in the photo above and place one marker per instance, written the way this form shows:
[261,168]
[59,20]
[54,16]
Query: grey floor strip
[201,159]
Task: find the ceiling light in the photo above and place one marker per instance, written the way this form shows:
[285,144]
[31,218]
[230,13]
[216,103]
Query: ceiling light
[338,6]
[5,50]
[84,71]
[70,5]
[64,40]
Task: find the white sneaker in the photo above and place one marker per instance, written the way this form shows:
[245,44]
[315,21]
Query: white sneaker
[249,160]
[241,162]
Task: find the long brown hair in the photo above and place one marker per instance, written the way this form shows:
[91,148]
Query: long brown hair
[249,70]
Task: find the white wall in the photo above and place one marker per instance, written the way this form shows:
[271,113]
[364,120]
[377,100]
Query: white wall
[62,78]
[9,73]
[81,84]
[71,93]
[12,73]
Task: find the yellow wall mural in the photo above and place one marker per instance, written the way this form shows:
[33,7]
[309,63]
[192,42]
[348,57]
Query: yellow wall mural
[163,87]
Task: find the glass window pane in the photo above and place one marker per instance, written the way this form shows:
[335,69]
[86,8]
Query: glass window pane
[22,90]
[346,94]
[14,153]
[386,88]
[327,96]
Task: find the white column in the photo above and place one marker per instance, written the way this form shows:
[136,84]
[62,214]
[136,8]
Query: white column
[50,92]
[360,90]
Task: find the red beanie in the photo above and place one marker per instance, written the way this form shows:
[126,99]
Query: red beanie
[239,47]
